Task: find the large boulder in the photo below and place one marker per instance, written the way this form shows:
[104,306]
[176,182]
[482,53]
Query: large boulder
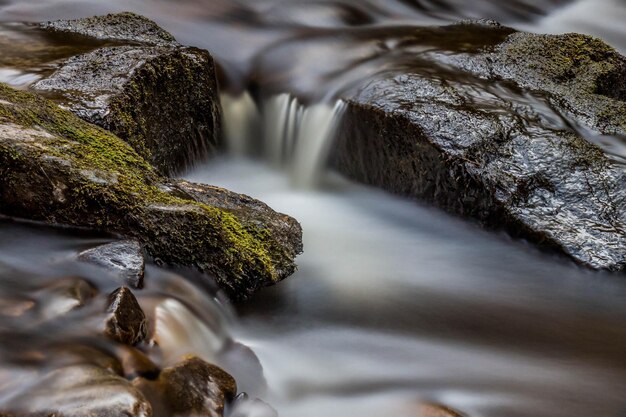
[504,127]
[57,168]
[155,94]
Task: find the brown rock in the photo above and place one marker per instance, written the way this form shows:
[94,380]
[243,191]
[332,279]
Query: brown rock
[127,323]
[190,388]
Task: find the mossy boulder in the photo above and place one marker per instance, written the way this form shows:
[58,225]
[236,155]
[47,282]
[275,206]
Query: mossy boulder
[57,168]
[512,130]
[158,96]
[124,26]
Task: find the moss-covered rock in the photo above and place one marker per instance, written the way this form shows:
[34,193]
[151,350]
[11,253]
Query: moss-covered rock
[508,133]
[58,168]
[125,26]
[158,96]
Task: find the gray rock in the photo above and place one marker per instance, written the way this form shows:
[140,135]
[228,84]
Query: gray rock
[122,26]
[161,100]
[501,133]
[127,322]
[57,168]
[123,258]
[190,388]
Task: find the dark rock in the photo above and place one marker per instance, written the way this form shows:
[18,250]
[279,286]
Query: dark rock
[124,258]
[80,391]
[127,321]
[57,168]
[122,26]
[493,135]
[190,388]
[161,100]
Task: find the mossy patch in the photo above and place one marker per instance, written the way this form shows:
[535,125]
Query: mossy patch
[110,186]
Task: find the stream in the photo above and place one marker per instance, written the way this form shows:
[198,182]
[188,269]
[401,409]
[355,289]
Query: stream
[395,303]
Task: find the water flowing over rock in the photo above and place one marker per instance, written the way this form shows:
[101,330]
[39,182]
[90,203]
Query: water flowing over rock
[124,258]
[81,391]
[57,168]
[470,138]
[158,96]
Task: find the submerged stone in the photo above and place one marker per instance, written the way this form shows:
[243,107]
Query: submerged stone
[127,321]
[190,388]
[124,258]
[158,96]
[80,391]
[57,168]
[507,133]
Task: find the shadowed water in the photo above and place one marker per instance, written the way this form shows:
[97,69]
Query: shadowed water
[394,302]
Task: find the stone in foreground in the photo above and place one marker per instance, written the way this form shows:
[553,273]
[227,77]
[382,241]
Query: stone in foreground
[57,168]
[503,134]
[190,388]
[80,391]
[158,96]
[123,258]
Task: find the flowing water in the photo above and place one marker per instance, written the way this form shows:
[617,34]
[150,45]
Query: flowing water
[394,302]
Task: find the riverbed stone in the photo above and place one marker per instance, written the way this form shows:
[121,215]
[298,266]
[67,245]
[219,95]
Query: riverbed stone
[485,136]
[190,388]
[158,96]
[57,168]
[80,391]
[123,258]
[127,322]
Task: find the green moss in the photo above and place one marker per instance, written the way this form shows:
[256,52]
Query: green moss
[131,186]
[565,57]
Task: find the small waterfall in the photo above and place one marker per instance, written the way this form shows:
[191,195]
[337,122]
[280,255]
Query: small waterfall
[288,133]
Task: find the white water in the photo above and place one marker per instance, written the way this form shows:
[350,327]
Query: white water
[396,303]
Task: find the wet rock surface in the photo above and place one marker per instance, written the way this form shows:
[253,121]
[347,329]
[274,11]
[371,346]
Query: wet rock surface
[56,168]
[508,131]
[190,388]
[127,322]
[121,26]
[158,96]
[81,391]
[123,258]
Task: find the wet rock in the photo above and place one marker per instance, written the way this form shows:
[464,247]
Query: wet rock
[160,98]
[124,258]
[121,26]
[190,388]
[502,132]
[80,391]
[57,168]
[127,321]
